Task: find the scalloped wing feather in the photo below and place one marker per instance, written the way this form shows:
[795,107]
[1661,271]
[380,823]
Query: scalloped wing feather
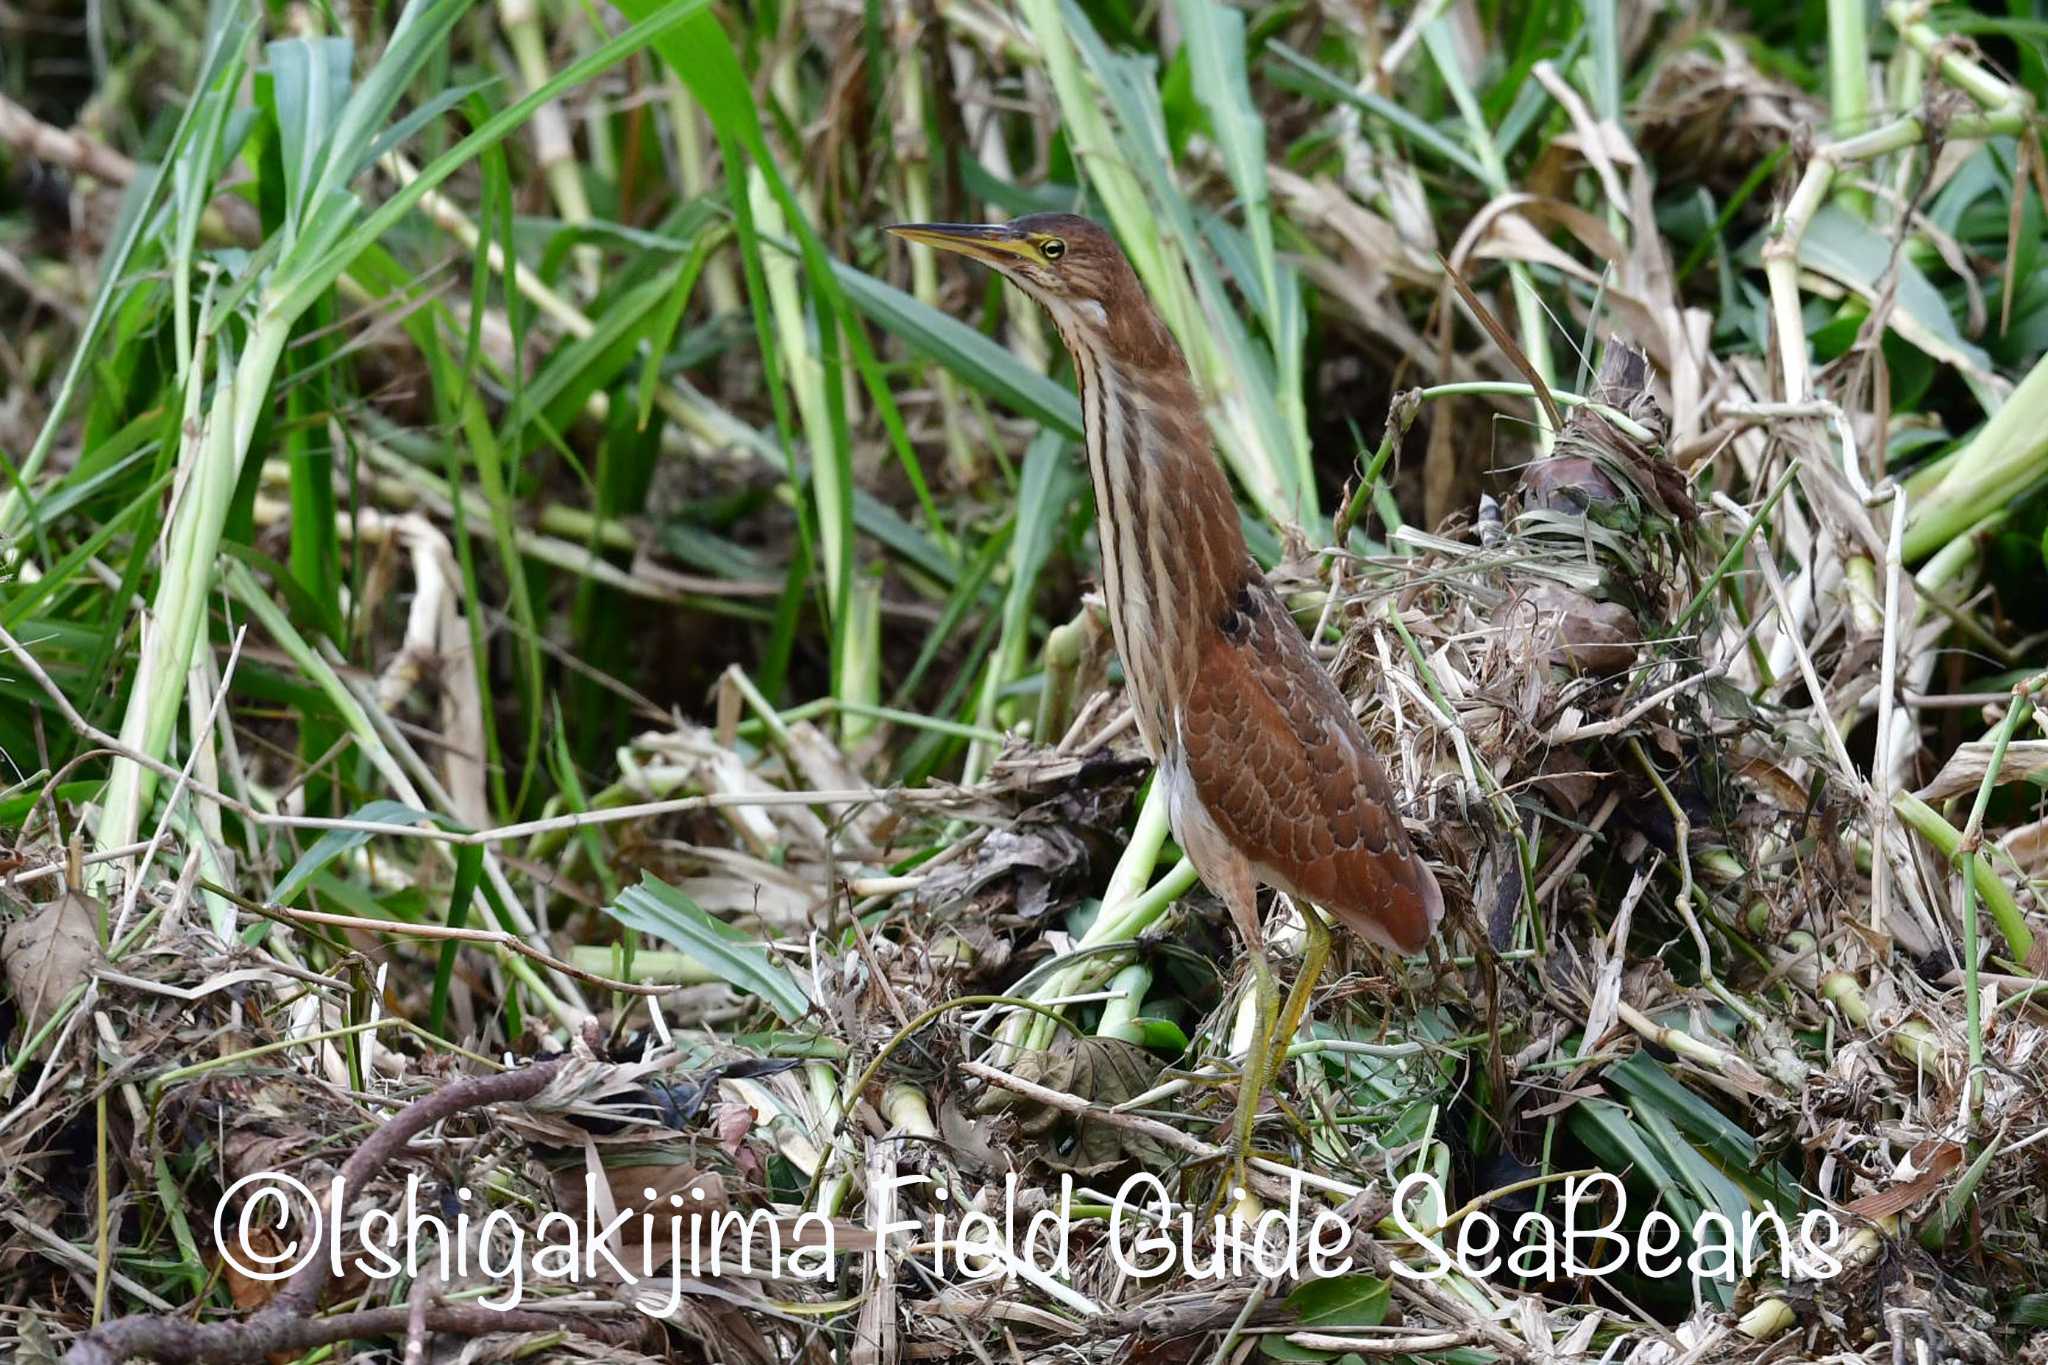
[1283,770]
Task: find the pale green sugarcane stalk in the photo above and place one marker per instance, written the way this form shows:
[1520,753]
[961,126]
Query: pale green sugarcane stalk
[1998,897]
[859,686]
[1912,1039]
[200,825]
[906,1108]
[1160,264]
[2008,455]
[1907,80]
[838,1156]
[1850,91]
[211,455]
[856,610]
[554,150]
[1128,907]
[1062,654]
[660,967]
[1036,499]
[602,150]
[2006,111]
[784,87]
[1134,869]
[1120,1014]
[914,181]
[1849,77]
[1973,828]
[694,170]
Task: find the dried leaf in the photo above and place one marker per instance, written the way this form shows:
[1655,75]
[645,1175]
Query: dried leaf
[1501,338]
[1571,630]
[251,1294]
[1933,1160]
[731,1123]
[49,953]
[2026,760]
[1010,867]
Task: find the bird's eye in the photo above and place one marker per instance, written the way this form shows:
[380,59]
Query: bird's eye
[1052,248]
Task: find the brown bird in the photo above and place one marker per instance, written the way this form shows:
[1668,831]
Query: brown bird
[1269,777]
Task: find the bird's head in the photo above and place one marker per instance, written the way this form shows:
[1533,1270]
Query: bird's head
[1067,263]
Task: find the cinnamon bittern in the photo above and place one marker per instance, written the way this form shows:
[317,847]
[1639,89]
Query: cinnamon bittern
[1268,776]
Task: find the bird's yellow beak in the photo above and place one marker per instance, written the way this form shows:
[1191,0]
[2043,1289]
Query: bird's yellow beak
[989,243]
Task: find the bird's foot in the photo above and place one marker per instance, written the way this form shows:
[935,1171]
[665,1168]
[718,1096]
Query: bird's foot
[1315,956]
[1253,1080]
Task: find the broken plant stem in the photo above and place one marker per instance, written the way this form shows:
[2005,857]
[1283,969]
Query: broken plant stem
[1911,1039]
[1679,1041]
[1506,388]
[1998,898]
[2007,111]
[1681,838]
[554,149]
[1966,847]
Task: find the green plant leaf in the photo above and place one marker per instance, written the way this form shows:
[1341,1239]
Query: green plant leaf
[310,78]
[1340,1301]
[654,907]
[1851,252]
[336,842]
[977,361]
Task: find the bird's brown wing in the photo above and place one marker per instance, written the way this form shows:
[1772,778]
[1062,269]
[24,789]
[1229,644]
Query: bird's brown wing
[1289,778]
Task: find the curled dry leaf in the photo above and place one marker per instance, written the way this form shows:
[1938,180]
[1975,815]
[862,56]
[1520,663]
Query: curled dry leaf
[50,952]
[1574,631]
[2026,760]
[731,1123]
[1921,1174]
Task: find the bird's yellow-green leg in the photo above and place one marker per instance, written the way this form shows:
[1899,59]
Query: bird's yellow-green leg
[1258,1064]
[1315,955]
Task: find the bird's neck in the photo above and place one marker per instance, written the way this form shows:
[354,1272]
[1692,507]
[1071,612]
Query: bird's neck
[1173,554]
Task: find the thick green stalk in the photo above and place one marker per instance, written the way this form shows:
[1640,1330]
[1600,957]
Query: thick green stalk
[1120,1015]
[211,459]
[1849,75]
[1129,906]
[831,461]
[2008,455]
[553,147]
[914,177]
[1998,897]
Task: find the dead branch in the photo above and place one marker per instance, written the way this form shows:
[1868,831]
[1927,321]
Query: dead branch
[284,1324]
